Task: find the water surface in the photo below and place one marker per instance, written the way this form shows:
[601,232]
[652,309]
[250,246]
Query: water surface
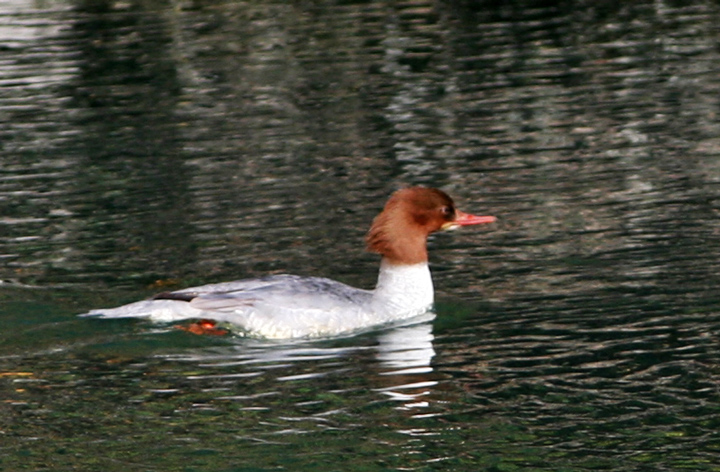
[148,146]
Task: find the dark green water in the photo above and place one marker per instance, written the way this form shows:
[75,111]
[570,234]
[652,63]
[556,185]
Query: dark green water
[152,145]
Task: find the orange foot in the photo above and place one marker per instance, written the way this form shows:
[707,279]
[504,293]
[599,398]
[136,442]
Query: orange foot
[203,327]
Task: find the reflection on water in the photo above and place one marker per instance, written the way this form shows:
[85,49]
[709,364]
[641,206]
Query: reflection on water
[147,147]
[407,350]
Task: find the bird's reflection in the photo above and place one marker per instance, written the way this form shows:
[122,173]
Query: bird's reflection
[396,362]
[407,349]
[405,354]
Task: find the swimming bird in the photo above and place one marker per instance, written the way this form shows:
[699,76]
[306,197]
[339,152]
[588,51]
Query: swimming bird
[291,306]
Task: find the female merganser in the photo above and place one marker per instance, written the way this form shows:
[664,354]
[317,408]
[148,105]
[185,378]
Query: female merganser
[289,306]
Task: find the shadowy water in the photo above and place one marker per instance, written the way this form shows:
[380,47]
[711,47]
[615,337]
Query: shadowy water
[151,145]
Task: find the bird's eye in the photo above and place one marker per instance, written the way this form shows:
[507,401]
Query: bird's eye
[447,211]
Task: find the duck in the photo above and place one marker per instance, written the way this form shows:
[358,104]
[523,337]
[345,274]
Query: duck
[290,306]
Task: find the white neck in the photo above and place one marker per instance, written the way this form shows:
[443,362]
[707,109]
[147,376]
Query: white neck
[404,288]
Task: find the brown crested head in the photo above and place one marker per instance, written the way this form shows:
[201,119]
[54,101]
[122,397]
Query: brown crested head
[400,231]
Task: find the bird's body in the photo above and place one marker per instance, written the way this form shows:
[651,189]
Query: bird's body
[290,306]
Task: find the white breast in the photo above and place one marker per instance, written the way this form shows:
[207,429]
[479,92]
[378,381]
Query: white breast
[404,289]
